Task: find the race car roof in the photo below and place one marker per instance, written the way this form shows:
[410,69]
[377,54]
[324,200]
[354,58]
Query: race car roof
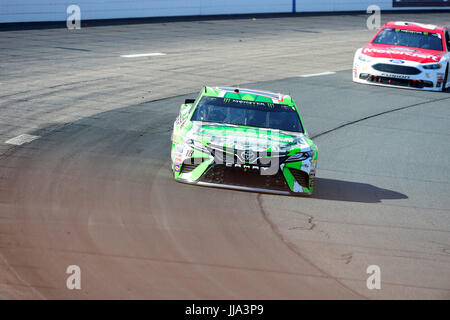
[248,94]
[415,26]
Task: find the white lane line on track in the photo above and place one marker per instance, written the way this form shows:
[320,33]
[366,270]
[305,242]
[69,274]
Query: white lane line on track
[317,74]
[139,55]
[20,140]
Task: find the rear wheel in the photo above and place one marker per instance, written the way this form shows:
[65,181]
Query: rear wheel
[444,89]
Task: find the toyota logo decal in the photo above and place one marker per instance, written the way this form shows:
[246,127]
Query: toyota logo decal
[248,155]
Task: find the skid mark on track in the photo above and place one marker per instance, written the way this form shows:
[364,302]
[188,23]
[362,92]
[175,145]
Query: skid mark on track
[376,115]
[184,262]
[17,275]
[295,250]
[311,226]
[347,257]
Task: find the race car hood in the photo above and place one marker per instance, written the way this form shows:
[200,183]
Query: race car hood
[402,53]
[247,138]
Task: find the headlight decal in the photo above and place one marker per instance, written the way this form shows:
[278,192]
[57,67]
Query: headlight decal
[364,58]
[300,156]
[433,66]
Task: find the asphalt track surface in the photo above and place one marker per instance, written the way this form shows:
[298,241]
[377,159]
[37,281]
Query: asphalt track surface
[97,192]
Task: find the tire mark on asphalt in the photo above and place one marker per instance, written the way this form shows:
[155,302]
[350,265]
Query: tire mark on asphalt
[297,252]
[17,275]
[74,49]
[376,115]
[53,87]
[187,262]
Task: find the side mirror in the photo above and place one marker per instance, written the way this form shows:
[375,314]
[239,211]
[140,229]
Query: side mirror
[189,101]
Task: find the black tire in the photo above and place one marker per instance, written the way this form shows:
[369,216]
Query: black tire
[444,89]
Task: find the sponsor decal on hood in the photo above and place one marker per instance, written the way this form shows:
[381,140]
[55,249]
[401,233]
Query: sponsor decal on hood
[241,137]
[402,53]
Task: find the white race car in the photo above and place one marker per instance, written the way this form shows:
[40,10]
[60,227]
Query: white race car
[405,54]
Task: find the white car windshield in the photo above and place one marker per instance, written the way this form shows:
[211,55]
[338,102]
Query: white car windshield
[410,38]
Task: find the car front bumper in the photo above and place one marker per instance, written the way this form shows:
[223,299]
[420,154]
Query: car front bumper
[290,178]
[380,71]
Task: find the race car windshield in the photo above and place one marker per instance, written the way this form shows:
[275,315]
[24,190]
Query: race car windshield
[248,113]
[410,38]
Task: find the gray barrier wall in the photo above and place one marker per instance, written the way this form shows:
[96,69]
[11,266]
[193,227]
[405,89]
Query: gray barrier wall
[56,10]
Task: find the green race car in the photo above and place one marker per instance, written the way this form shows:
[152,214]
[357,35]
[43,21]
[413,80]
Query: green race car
[243,139]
